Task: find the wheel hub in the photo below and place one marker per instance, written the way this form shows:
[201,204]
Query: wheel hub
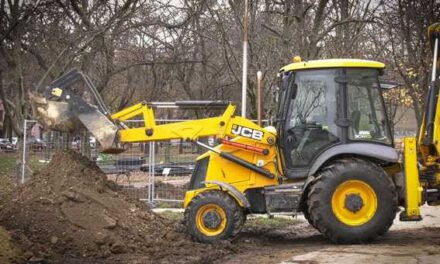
[353,202]
[212,220]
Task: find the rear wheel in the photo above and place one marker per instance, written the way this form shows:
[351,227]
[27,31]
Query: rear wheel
[212,216]
[352,201]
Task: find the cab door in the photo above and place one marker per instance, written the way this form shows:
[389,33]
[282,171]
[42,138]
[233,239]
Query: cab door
[309,121]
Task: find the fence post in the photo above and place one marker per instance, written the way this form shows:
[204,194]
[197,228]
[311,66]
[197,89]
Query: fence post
[149,174]
[23,160]
[153,146]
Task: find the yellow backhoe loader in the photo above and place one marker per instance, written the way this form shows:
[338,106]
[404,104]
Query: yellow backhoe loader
[331,155]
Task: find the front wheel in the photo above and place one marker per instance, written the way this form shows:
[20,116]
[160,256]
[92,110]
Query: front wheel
[352,201]
[212,216]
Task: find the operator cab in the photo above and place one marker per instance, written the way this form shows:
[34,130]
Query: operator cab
[328,108]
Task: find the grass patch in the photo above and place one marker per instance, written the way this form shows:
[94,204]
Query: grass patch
[34,163]
[255,222]
[175,216]
[275,222]
[165,204]
[7,164]
[8,170]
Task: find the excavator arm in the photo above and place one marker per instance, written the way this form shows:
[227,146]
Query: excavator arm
[430,129]
[226,125]
[62,110]
[422,175]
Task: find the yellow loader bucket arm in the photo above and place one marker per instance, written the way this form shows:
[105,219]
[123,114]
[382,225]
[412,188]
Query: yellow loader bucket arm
[226,125]
[62,110]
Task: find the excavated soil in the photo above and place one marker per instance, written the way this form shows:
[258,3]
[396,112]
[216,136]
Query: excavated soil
[69,212]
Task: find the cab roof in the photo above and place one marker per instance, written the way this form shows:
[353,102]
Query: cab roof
[332,63]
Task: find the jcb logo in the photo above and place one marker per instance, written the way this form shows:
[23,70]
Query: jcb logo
[247,132]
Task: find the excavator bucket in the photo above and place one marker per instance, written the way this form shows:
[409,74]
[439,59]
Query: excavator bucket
[104,130]
[53,115]
[61,110]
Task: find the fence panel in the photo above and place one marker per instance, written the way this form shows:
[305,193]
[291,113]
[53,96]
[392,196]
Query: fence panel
[156,172]
[37,148]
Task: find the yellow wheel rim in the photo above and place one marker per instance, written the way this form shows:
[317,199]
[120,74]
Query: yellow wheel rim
[211,220]
[354,202]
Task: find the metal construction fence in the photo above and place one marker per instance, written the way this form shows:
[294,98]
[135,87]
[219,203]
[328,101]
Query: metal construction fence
[157,172]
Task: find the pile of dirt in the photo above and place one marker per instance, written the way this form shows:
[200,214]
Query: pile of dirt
[8,251]
[69,210]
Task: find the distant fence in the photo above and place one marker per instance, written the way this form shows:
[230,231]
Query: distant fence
[157,172]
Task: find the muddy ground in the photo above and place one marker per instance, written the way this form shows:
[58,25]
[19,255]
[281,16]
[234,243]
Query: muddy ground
[299,243]
[71,214]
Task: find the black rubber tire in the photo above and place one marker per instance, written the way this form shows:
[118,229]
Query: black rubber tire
[320,201]
[307,217]
[234,215]
[305,209]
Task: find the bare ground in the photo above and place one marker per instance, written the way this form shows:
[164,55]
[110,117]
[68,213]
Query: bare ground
[413,242]
[71,214]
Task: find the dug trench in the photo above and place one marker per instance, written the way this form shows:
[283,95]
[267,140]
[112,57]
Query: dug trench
[70,213]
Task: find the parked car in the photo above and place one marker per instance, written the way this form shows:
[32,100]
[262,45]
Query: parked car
[77,141]
[14,141]
[36,144]
[6,145]
[92,142]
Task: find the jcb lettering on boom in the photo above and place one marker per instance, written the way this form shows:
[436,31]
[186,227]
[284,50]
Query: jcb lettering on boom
[247,132]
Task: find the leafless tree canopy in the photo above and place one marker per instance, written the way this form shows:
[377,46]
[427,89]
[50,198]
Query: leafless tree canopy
[191,49]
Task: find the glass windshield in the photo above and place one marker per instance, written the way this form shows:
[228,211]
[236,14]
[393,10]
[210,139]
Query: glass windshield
[315,101]
[310,124]
[284,84]
[365,106]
